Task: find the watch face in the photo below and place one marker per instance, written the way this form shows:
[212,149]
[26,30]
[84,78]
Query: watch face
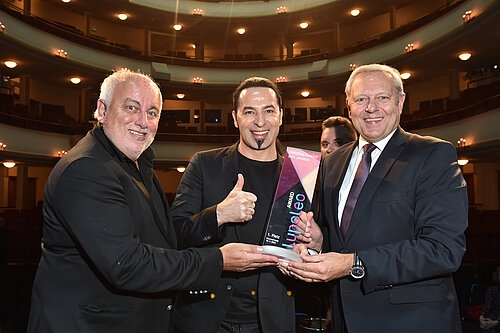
[357,272]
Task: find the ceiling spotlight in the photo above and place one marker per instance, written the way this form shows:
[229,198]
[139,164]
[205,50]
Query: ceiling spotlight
[181,169]
[405,75]
[75,80]
[462,162]
[241,31]
[355,12]
[66,1]
[180,96]
[10,63]
[177,27]
[193,46]
[9,164]
[122,16]
[464,56]
[305,93]
[303,25]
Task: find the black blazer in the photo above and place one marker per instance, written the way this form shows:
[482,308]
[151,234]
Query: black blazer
[208,179]
[408,228]
[107,263]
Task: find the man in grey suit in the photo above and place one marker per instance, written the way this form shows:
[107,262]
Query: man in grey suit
[109,260]
[395,204]
[234,187]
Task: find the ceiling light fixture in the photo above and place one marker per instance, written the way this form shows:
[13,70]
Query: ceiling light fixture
[2,146]
[355,12]
[305,93]
[61,53]
[75,80]
[281,79]
[405,75]
[180,96]
[198,80]
[281,10]
[177,27]
[10,63]
[66,1]
[122,16]
[198,11]
[462,161]
[2,27]
[303,25]
[241,31]
[193,46]
[9,164]
[181,169]
[464,56]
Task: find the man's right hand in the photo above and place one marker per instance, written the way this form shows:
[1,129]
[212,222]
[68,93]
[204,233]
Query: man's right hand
[241,257]
[238,206]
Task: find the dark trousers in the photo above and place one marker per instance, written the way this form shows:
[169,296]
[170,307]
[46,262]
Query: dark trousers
[227,327]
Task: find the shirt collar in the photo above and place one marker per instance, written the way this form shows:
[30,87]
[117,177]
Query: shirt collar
[379,144]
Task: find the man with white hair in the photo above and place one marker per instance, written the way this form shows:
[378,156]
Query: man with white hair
[108,261]
[395,204]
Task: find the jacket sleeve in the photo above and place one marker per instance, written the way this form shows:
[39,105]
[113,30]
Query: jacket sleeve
[438,220]
[195,225]
[90,201]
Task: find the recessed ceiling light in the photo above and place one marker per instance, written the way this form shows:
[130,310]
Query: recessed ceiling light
[66,1]
[180,96]
[241,31]
[122,16]
[405,75]
[303,25]
[10,63]
[177,27]
[463,161]
[355,12]
[305,93]
[464,56]
[75,80]
[9,164]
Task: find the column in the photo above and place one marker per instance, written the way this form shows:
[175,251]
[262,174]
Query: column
[281,42]
[202,117]
[86,23]
[199,51]
[22,188]
[454,86]
[392,18]
[27,6]
[289,49]
[335,38]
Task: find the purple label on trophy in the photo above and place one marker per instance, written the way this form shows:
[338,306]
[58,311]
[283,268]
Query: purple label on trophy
[294,194]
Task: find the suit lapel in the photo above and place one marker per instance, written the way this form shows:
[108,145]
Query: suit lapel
[230,172]
[153,210]
[379,171]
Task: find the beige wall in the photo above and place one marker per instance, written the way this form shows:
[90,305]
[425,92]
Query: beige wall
[57,13]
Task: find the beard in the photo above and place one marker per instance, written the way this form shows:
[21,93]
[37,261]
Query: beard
[259,143]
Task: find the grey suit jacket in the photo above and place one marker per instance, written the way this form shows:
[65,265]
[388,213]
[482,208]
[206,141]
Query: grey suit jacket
[408,228]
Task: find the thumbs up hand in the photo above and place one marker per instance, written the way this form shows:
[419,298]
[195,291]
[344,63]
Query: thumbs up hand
[238,206]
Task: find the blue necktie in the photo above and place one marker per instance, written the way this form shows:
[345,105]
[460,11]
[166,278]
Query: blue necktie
[357,185]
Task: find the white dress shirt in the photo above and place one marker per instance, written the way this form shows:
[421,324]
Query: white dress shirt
[356,156]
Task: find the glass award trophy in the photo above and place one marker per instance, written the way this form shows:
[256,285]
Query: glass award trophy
[294,194]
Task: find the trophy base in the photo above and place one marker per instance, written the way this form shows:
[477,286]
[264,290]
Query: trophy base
[283,254]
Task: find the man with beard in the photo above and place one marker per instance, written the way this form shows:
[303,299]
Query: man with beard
[233,188]
[109,262]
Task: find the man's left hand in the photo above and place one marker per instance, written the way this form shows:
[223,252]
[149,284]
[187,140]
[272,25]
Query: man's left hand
[319,268]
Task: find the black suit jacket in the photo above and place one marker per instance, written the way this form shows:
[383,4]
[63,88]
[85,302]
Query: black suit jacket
[107,263]
[408,228]
[208,179]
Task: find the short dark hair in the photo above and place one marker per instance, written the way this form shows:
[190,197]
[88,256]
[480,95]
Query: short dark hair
[254,82]
[344,130]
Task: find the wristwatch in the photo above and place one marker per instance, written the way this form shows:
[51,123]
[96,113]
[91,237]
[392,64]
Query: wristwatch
[357,270]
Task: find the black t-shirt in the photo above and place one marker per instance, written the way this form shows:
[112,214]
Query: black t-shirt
[260,179]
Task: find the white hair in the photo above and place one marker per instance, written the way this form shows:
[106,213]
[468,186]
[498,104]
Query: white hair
[392,72]
[122,75]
